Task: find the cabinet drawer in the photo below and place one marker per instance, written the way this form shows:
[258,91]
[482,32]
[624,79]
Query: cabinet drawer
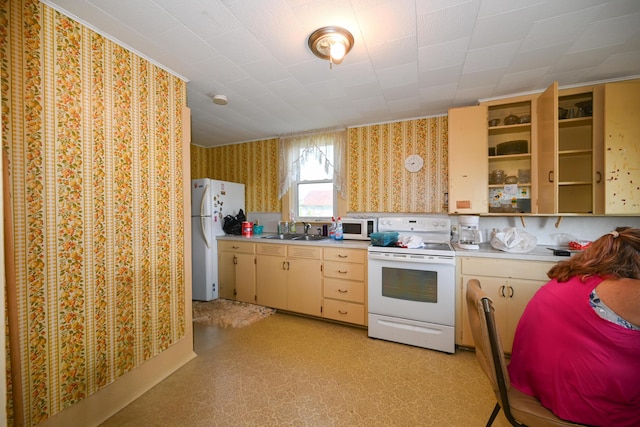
[345,255]
[346,290]
[344,270]
[271,249]
[304,251]
[344,311]
[235,246]
[534,270]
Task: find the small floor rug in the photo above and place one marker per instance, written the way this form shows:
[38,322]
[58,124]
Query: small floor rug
[227,313]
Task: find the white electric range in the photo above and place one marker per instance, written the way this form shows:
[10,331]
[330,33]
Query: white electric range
[411,292]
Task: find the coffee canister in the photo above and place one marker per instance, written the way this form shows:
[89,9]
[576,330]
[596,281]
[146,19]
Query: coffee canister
[247,229]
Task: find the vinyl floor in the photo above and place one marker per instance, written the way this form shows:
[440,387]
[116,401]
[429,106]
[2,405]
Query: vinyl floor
[288,370]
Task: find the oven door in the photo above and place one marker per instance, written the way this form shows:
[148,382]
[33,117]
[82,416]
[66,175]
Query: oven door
[413,287]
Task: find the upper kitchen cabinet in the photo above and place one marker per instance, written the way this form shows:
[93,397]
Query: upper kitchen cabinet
[467,160]
[622,147]
[491,153]
[570,151]
[511,154]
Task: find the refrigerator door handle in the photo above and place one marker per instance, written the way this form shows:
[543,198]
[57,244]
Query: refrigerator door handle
[203,200]
[204,232]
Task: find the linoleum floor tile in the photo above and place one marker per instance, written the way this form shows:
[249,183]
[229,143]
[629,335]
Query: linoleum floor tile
[289,370]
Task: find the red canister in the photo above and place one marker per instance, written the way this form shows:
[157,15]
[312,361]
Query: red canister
[247,229]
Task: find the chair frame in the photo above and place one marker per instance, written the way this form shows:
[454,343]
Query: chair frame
[482,318]
[498,362]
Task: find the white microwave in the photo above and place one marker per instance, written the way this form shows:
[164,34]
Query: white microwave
[359,228]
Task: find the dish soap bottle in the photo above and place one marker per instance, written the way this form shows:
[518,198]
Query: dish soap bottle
[332,228]
[339,230]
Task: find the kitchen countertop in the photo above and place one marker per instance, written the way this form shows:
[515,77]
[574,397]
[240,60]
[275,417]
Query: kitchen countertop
[259,238]
[540,253]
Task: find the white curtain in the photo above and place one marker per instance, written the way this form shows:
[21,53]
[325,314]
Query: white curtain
[296,149]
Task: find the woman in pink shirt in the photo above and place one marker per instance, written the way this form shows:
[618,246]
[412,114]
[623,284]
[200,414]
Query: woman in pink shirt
[577,345]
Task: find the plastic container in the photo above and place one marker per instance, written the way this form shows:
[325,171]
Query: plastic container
[384,238]
[339,230]
[257,229]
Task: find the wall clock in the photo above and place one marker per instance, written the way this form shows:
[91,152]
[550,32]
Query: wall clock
[413,163]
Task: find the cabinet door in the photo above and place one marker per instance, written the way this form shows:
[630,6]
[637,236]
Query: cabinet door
[468,152]
[245,278]
[518,294]
[304,286]
[547,110]
[495,289]
[271,289]
[622,149]
[226,275]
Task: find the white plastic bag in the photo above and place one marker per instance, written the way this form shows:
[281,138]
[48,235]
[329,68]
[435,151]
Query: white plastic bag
[514,240]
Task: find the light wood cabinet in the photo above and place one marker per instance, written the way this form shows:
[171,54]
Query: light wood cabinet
[237,271]
[290,277]
[467,165]
[571,150]
[622,147]
[271,270]
[509,283]
[344,285]
[512,153]
[476,151]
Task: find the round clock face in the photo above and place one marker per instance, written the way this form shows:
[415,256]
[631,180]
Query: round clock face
[413,163]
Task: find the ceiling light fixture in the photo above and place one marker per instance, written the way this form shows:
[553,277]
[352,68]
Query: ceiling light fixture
[220,99]
[331,43]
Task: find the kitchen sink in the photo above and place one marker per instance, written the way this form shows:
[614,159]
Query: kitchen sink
[287,236]
[310,237]
[293,236]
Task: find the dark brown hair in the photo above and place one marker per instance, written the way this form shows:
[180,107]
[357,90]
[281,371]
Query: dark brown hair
[614,255]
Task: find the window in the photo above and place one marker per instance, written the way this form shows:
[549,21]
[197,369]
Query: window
[312,168]
[314,196]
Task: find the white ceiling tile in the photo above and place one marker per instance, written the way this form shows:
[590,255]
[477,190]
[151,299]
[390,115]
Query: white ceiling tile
[490,57]
[442,55]
[508,26]
[450,23]
[135,14]
[398,75]
[607,33]
[559,29]
[394,52]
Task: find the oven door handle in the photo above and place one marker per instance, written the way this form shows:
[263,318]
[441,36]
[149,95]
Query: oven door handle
[418,259]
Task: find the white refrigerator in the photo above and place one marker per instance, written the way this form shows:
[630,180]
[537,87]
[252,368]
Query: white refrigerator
[211,201]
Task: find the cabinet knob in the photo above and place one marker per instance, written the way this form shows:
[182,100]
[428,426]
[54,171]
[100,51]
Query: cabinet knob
[599,177]
[550,176]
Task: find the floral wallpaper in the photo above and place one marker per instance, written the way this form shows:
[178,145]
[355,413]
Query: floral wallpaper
[254,164]
[94,142]
[378,181]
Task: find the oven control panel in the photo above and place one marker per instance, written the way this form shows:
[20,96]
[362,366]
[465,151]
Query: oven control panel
[415,224]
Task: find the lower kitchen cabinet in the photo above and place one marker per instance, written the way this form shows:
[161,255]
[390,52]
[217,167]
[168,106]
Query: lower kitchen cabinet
[509,283]
[290,277]
[271,270]
[344,285]
[237,271]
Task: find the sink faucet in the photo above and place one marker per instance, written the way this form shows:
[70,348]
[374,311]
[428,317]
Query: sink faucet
[307,226]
